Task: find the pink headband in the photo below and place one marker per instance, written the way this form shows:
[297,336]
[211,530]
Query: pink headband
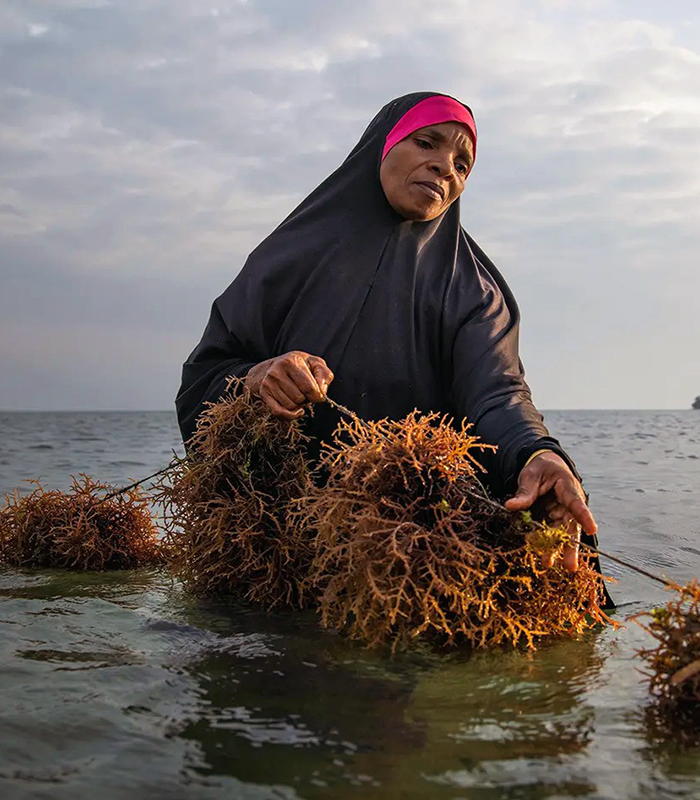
[431,111]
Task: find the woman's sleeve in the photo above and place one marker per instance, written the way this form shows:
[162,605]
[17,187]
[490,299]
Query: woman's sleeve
[489,388]
[217,357]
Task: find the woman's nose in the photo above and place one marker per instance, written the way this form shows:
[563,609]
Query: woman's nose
[443,168]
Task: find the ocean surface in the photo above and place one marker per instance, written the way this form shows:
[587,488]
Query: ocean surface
[122,686]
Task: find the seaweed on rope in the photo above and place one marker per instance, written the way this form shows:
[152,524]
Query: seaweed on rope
[80,529]
[226,504]
[407,544]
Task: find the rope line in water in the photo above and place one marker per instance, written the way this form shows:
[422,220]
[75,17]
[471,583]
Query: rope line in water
[663,581]
[363,423]
[131,486]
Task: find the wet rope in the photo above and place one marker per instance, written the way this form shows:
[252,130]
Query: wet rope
[348,412]
[133,485]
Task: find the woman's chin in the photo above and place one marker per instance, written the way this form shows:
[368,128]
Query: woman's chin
[420,213]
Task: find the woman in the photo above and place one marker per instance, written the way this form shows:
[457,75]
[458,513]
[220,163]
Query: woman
[372,284]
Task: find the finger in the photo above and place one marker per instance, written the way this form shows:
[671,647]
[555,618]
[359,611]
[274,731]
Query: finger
[558,514]
[570,554]
[301,376]
[282,397]
[568,495]
[279,382]
[321,372]
[528,491]
[283,374]
[547,560]
[277,409]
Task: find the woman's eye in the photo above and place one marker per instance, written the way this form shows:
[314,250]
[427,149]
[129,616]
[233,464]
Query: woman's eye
[424,143]
[462,168]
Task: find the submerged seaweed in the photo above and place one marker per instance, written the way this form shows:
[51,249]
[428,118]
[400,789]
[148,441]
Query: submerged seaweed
[407,543]
[80,529]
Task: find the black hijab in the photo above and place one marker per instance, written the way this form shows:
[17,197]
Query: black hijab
[406,314]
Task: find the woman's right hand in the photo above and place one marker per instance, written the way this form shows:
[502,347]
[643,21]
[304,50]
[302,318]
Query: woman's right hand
[288,382]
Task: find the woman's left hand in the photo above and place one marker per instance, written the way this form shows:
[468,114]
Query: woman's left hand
[549,477]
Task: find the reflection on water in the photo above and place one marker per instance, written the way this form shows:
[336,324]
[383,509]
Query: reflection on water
[122,685]
[221,694]
[148,690]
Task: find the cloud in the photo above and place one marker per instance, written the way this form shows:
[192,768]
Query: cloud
[148,145]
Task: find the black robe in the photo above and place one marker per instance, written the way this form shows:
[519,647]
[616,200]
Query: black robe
[406,314]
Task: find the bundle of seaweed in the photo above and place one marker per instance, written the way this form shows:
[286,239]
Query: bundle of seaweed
[407,543]
[80,529]
[226,504]
[673,666]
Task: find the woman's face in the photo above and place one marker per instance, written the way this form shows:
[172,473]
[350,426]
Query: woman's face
[425,173]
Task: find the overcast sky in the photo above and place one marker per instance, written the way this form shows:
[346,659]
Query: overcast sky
[146,146]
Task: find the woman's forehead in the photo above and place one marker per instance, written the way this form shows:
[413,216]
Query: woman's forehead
[453,133]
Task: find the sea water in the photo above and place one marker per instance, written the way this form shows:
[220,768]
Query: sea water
[122,686]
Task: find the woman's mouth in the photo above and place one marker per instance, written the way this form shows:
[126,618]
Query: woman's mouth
[431,189]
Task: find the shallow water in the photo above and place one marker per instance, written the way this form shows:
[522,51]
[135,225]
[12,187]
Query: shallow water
[122,686]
